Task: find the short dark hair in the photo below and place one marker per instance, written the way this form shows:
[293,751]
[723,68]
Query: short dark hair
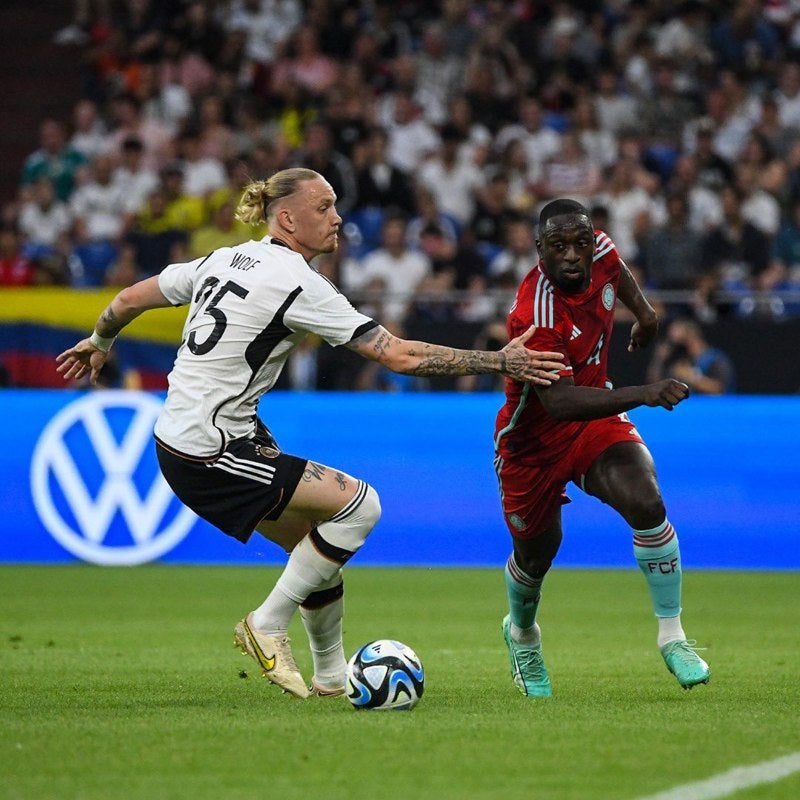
[556,208]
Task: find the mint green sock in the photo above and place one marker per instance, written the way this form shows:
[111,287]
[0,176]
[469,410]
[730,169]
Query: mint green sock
[659,557]
[524,593]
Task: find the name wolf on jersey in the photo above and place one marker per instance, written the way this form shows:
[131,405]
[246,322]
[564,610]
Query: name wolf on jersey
[243,262]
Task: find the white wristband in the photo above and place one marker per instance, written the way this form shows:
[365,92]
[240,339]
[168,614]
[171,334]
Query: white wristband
[101,342]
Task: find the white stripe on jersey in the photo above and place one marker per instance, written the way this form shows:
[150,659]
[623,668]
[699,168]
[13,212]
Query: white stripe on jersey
[523,398]
[543,314]
[254,470]
[603,245]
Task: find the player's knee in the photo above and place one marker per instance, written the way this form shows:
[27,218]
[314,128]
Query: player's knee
[534,566]
[645,512]
[371,506]
[348,529]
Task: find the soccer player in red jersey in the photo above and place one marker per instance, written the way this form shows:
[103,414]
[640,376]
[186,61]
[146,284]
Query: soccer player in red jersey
[576,429]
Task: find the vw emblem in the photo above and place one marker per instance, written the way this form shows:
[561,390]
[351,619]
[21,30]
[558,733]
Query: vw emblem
[96,484]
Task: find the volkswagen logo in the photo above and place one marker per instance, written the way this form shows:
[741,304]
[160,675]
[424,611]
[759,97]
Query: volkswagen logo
[96,484]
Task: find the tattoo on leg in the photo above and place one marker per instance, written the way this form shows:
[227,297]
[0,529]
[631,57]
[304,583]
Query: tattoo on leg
[313,471]
[341,480]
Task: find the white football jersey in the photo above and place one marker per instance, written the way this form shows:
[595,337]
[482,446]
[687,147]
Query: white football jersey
[249,305]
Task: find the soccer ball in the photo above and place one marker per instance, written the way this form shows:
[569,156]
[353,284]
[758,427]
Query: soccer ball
[385,675]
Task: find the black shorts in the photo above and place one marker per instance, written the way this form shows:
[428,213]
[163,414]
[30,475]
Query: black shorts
[251,481]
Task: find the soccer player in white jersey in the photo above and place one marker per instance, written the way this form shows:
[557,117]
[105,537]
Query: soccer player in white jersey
[249,305]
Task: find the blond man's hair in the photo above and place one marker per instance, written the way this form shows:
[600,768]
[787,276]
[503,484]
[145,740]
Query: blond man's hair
[256,206]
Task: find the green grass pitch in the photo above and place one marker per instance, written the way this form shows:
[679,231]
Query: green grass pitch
[124,683]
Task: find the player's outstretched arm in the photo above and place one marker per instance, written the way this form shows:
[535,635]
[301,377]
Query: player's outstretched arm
[90,354]
[429,360]
[565,401]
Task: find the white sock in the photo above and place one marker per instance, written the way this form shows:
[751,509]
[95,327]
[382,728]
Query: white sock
[306,570]
[670,630]
[323,625]
[532,635]
[324,629]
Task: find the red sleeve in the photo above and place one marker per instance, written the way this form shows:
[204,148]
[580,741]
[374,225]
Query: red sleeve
[553,340]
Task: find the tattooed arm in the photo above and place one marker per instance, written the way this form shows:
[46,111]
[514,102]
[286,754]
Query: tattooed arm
[427,360]
[90,354]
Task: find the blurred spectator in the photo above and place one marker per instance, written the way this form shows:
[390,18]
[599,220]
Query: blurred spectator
[346,115]
[730,121]
[518,256]
[745,39]
[705,208]
[493,211]
[600,144]
[161,230]
[759,206]
[295,113]
[88,129]
[127,121]
[221,231]
[404,75]
[142,23]
[202,175]
[489,108]
[688,357]
[454,265]
[317,153]
[306,64]
[711,170]
[132,179]
[779,137]
[438,69]
[787,95]
[453,183]
[570,173]
[216,135]
[15,268]
[629,207]
[427,212]
[396,270]
[476,140]
[266,26]
[541,142]
[616,109]
[55,159]
[98,209]
[379,184]
[86,14]
[663,116]
[252,126]
[734,253]
[564,63]
[781,280]
[513,163]
[494,56]
[199,30]
[165,101]
[43,220]
[684,38]
[411,138]
[124,269]
[670,255]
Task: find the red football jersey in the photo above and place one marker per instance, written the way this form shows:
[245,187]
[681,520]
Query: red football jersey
[579,327]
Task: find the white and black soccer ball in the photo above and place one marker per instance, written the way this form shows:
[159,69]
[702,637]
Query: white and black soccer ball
[385,675]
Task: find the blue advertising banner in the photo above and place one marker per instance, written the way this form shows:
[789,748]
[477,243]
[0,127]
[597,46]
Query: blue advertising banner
[80,481]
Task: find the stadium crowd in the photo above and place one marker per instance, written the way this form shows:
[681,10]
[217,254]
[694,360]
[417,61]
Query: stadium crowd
[443,127]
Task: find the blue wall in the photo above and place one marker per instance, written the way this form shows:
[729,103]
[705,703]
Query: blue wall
[79,480]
